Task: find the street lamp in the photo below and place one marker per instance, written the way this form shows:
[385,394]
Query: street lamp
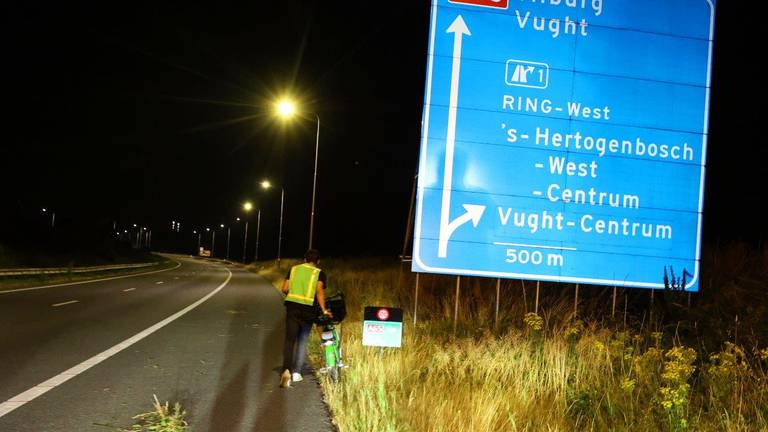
[229,229]
[258,230]
[266,185]
[286,109]
[213,240]
[53,217]
[247,207]
[199,235]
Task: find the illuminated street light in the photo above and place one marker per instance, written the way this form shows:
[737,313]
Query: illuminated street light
[286,109]
[53,216]
[266,185]
[247,207]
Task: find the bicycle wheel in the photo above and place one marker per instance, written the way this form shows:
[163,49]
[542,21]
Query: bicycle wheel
[335,373]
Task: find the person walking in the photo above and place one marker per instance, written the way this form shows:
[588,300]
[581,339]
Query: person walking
[304,289]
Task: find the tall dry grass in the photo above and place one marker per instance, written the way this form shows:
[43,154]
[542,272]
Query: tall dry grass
[549,371]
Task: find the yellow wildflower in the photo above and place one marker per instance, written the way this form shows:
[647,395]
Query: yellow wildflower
[763,354]
[628,385]
[534,321]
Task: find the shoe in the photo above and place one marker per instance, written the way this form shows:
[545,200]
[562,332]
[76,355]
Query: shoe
[285,379]
[296,377]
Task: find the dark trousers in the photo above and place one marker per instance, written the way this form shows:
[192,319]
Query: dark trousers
[298,324]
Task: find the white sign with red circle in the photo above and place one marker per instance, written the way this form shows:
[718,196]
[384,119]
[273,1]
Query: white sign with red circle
[382,314]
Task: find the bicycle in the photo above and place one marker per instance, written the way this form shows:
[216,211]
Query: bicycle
[331,343]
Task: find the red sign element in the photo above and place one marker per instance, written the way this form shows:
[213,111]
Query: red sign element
[382,314]
[499,4]
[375,328]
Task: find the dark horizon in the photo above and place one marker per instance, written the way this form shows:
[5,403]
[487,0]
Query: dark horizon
[161,114]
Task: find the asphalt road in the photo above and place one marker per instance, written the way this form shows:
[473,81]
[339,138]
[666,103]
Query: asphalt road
[220,360]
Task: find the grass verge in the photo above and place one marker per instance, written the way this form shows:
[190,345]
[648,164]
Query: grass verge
[662,368]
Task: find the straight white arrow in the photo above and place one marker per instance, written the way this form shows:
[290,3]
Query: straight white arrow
[474,212]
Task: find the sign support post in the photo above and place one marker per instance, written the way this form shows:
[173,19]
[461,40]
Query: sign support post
[456,305]
[416,300]
[496,317]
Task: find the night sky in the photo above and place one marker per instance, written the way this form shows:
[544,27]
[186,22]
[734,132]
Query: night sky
[147,114]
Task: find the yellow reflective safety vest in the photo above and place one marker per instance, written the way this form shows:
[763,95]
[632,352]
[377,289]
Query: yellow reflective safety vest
[302,284]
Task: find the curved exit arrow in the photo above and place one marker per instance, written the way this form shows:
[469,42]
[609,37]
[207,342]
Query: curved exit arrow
[474,212]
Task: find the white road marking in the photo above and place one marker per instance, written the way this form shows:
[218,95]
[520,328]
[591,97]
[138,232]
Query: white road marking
[534,246]
[178,264]
[159,282]
[129,289]
[42,388]
[65,303]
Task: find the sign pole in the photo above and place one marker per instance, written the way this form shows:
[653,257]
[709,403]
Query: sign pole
[416,299]
[536,306]
[409,223]
[496,317]
[625,308]
[576,302]
[456,305]
[525,301]
[613,307]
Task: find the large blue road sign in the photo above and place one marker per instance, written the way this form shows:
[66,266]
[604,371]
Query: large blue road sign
[565,140]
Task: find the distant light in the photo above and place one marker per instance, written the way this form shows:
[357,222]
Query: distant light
[194,232]
[134,225]
[238,219]
[207,229]
[266,184]
[45,210]
[222,225]
[286,108]
[247,206]
[126,231]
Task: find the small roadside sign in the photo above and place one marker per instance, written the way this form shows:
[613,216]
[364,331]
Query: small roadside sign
[383,326]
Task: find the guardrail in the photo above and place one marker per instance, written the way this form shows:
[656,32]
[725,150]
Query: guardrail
[62,270]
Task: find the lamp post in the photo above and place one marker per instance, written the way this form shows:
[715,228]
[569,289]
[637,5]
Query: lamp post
[229,228]
[199,235]
[287,109]
[213,240]
[266,185]
[258,230]
[247,207]
[53,217]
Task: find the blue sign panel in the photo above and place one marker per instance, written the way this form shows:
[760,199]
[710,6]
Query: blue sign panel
[565,140]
